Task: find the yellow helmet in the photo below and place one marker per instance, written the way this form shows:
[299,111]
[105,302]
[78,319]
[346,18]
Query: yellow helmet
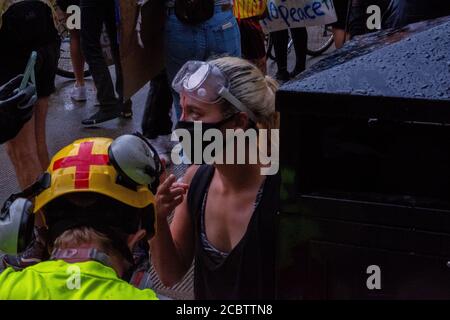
[87,165]
[125,170]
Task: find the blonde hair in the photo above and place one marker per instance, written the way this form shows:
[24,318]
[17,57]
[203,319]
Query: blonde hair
[73,238]
[250,86]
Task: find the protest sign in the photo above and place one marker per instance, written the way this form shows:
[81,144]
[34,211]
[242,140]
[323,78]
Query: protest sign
[141,64]
[284,14]
[243,9]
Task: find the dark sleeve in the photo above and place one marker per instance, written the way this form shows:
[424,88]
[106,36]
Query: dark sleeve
[357,18]
[404,12]
[10,125]
[358,14]
[393,17]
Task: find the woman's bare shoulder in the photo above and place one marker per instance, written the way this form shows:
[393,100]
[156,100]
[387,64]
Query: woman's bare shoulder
[190,173]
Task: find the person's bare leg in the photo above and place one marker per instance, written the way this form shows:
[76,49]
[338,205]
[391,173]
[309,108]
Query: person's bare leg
[339,37]
[22,151]
[77,57]
[40,114]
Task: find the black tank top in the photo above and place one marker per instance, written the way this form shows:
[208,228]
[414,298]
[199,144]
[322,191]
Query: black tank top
[249,270]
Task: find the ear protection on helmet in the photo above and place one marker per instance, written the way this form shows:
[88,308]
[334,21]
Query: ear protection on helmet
[17,217]
[16,225]
[136,161]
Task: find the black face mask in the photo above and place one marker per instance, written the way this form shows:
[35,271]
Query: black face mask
[189,126]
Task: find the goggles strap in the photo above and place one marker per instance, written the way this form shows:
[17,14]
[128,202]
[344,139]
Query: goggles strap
[80,255]
[239,105]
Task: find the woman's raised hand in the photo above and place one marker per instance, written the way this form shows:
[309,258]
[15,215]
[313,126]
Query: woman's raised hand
[170,194]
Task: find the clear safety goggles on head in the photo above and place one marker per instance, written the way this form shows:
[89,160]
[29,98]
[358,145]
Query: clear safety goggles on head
[206,83]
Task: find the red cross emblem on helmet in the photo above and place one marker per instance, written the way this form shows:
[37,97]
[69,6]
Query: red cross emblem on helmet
[82,163]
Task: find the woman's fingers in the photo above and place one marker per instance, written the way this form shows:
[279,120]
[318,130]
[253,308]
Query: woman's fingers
[168,197]
[170,194]
[165,186]
[169,206]
[180,185]
[177,201]
[170,183]
[177,192]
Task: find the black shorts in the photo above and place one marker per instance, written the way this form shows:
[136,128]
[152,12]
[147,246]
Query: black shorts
[64,4]
[252,39]
[22,35]
[341,7]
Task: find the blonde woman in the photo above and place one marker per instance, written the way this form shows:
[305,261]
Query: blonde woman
[224,213]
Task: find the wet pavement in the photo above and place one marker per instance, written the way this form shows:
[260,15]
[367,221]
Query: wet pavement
[64,126]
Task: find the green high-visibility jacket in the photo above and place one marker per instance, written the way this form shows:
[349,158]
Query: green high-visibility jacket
[59,280]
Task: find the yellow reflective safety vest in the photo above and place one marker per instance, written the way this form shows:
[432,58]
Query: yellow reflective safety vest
[5,4]
[59,280]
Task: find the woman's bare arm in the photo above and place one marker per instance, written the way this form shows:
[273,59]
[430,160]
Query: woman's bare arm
[172,248]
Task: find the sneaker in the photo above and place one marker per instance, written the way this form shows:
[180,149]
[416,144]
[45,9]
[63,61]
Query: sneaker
[282,76]
[78,93]
[127,111]
[104,114]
